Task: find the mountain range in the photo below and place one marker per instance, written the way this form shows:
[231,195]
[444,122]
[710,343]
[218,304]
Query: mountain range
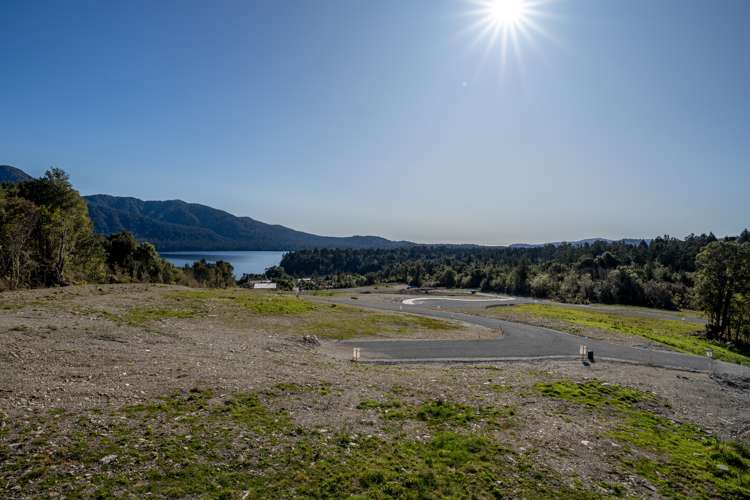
[580,243]
[177,225]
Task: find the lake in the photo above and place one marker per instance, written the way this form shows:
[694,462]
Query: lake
[249,262]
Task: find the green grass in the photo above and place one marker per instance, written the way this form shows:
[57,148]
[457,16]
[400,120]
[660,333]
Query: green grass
[342,322]
[679,335]
[258,302]
[679,459]
[595,394]
[324,320]
[198,444]
[292,389]
[271,304]
[440,413]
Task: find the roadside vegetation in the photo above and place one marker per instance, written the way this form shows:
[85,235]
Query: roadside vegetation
[683,336]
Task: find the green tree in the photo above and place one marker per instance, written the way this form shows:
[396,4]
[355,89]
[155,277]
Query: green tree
[721,284]
[18,219]
[63,228]
[448,278]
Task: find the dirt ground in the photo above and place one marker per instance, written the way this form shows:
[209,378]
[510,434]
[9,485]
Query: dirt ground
[66,349]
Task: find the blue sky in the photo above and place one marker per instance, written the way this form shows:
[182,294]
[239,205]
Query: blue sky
[625,119]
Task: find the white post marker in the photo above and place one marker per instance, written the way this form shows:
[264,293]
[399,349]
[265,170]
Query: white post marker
[355,354]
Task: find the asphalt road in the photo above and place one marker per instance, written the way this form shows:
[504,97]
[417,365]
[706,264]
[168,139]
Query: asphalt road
[518,342]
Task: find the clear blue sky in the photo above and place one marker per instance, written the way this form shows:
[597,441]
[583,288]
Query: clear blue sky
[629,118]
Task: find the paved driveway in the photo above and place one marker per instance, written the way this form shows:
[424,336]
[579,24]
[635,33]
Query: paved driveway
[518,342]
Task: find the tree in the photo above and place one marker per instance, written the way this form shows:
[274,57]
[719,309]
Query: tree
[63,227]
[722,281]
[519,280]
[17,221]
[416,279]
[448,279]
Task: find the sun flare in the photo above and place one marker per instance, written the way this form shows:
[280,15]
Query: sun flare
[507,12]
[507,23]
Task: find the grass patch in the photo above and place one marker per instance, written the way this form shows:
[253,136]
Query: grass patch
[323,320]
[595,394]
[440,413]
[448,465]
[197,444]
[685,458]
[273,304]
[679,335]
[256,301]
[294,389]
[342,322]
[680,459]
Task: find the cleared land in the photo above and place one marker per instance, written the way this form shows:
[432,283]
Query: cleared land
[131,390]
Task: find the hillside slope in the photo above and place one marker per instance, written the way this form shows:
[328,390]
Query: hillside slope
[13,174]
[177,225]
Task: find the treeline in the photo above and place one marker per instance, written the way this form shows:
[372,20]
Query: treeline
[659,274]
[46,239]
[662,273]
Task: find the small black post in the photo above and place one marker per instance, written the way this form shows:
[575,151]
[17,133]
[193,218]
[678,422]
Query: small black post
[591,356]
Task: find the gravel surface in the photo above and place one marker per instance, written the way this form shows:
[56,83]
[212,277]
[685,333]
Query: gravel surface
[66,349]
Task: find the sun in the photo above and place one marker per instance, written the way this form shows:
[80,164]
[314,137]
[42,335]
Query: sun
[508,23]
[506,12]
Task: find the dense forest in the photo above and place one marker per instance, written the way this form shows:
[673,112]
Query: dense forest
[698,272]
[46,239]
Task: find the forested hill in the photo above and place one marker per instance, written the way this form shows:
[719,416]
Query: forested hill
[177,225]
[13,174]
[656,274]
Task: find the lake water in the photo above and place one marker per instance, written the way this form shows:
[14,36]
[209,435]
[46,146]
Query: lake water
[243,262]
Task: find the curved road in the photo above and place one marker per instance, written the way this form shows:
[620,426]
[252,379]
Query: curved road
[518,342]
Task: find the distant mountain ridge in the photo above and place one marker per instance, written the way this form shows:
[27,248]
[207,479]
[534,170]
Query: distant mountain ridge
[177,225]
[580,243]
[13,174]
